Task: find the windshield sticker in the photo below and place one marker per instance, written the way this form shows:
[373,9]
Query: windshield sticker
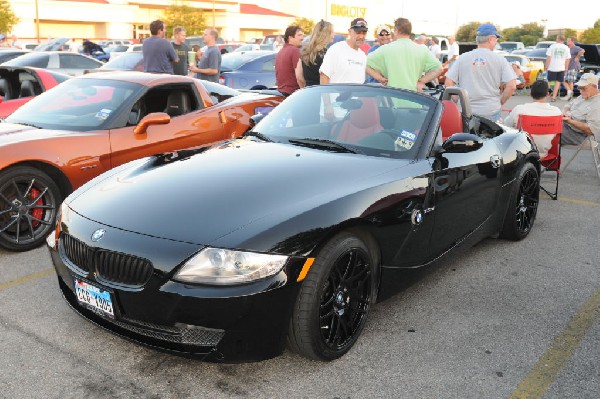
[405,141]
[103,114]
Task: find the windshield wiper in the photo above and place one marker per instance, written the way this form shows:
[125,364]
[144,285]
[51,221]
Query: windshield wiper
[259,135]
[28,124]
[324,144]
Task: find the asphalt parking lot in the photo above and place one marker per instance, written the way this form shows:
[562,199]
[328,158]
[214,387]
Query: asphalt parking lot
[502,320]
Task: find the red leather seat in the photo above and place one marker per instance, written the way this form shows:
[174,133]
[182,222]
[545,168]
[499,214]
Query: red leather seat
[361,122]
[451,119]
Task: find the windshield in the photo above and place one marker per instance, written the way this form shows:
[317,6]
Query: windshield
[370,120]
[76,105]
[508,46]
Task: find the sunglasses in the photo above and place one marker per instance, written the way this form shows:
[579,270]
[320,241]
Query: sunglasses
[384,34]
[359,24]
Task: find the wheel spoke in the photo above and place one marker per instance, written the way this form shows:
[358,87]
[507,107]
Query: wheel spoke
[333,329]
[15,220]
[7,201]
[6,211]
[14,183]
[29,188]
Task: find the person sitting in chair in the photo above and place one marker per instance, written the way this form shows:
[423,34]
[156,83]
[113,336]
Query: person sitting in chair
[582,114]
[539,107]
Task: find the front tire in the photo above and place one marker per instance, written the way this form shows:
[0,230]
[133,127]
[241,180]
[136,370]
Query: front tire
[29,201]
[333,304]
[523,204]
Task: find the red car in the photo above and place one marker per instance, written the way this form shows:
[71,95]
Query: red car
[20,84]
[90,124]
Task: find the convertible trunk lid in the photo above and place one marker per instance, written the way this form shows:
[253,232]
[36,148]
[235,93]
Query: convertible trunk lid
[207,196]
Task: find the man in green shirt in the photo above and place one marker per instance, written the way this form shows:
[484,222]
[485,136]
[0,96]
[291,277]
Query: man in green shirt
[403,63]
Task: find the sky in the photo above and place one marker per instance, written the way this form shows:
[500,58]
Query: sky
[447,15]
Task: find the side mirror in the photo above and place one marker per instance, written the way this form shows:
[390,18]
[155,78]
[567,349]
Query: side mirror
[254,119]
[461,143]
[155,118]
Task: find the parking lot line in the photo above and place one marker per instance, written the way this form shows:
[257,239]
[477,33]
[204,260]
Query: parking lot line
[26,279]
[546,369]
[576,201]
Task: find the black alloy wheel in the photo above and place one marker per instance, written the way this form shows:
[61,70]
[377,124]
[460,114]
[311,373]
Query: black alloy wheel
[334,301]
[29,200]
[523,205]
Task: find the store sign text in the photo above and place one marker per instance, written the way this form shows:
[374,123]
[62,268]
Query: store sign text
[338,10]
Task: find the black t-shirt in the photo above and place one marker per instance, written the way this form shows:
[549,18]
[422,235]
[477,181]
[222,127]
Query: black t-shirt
[311,72]
[181,67]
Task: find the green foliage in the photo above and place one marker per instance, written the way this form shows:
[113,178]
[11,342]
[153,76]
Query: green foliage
[8,19]
[304,23]
[180,13]
[597,23]
[591,35]
[466,33]
[529,33]
[529,40]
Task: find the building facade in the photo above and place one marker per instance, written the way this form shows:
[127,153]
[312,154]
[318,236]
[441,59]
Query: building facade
[236,21]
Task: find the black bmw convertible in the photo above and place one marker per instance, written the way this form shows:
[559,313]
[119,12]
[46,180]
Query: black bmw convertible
[290,234]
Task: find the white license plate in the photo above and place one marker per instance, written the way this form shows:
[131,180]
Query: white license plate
[97,299]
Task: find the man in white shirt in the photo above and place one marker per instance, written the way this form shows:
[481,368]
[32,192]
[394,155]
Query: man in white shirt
[558,56]
[345,62]
[539,107]
[453,51]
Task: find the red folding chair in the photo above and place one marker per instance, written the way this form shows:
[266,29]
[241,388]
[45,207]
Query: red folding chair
[544,125]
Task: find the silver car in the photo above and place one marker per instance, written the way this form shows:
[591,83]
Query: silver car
[64,62]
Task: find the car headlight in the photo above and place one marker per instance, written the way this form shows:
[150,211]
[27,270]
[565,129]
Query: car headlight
[226,267]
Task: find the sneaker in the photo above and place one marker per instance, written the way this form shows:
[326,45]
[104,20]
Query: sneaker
[553,100]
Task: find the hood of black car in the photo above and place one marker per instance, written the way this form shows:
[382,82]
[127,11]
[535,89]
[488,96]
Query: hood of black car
[201,198]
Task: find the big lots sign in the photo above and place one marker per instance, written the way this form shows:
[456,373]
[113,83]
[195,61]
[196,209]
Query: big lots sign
[338,10]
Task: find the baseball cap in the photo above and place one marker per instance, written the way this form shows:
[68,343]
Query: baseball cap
[488,30]
[2,37]
[587,79]
[359,25]
[382,28]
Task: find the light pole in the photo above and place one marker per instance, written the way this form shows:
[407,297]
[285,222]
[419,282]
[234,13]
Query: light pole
[544,34]
[213,15]
[37,22]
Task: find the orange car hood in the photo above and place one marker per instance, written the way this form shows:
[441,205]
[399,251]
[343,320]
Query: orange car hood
[11,133]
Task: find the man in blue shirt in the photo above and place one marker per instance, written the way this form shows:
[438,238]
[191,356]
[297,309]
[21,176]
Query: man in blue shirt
[159,54]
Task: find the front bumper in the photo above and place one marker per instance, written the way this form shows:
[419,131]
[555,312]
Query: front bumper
[237,323]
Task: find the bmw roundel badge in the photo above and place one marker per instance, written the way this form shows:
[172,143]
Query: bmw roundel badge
[98,234]
[416,217]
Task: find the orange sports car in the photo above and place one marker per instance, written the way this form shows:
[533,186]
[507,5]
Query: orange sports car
[90,124]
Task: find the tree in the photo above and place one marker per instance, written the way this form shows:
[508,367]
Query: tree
[591,35]
[304,23]
[8,19]
[529,33]
[180,13]
[467,32]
